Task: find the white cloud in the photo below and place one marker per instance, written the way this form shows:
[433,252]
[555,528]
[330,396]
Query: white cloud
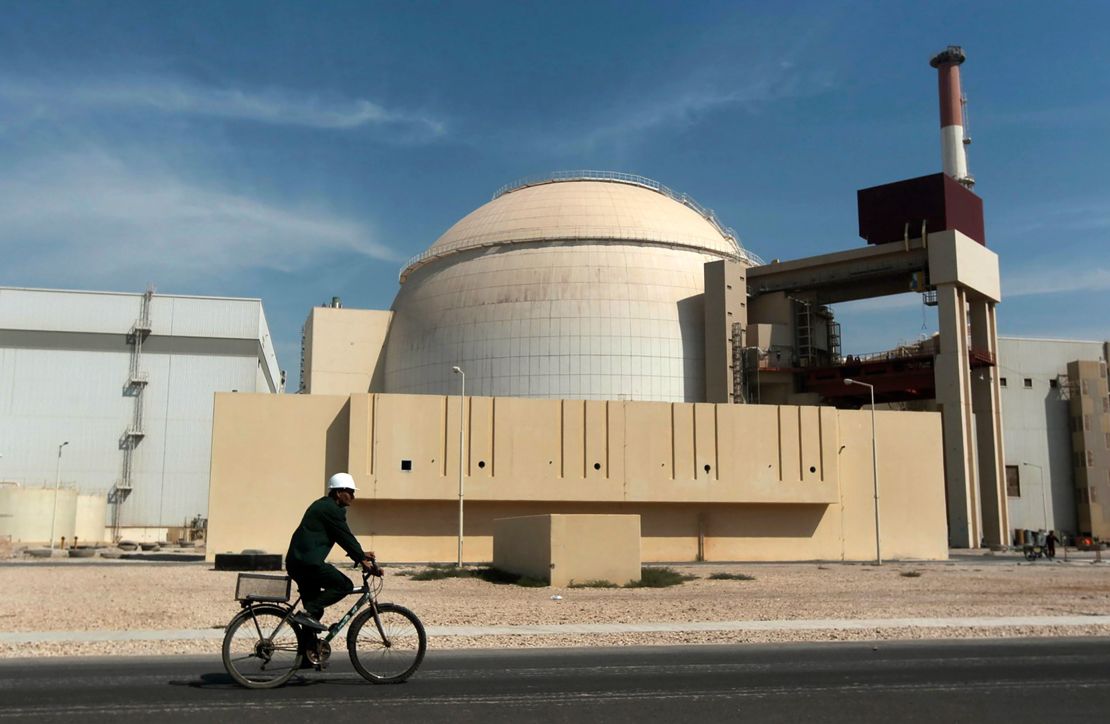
[91,218]
[168,95]
[683,106]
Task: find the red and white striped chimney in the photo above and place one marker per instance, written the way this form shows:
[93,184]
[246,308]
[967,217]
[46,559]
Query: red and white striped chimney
[952,139]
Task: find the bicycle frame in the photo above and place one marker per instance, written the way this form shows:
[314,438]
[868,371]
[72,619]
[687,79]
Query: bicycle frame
[366,596]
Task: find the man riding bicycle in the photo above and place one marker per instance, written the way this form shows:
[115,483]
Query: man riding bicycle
[324,524]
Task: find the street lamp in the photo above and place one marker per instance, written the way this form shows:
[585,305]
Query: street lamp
[874,466]
[57,482]
[462,394]
[1044,501]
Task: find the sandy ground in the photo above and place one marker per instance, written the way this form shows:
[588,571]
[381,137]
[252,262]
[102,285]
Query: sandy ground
[142,596]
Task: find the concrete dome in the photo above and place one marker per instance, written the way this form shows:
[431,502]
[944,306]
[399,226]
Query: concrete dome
[584,286]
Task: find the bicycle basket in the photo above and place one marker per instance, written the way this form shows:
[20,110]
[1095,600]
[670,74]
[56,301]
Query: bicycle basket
[255,587]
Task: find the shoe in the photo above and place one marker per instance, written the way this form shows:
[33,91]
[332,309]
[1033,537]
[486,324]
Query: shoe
[306,620]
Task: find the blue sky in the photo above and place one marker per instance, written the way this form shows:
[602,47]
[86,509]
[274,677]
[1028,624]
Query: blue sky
[296,151]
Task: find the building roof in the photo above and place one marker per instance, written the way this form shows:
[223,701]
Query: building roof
[587,206]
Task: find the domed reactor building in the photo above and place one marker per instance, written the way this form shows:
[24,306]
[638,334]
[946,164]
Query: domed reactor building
[599,347]
[577,286]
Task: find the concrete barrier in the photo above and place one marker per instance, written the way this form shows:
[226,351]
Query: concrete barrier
[562,549]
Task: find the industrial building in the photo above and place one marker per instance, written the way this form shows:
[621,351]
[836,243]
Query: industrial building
[1057,432]
[604,375]
[623,353]
[108,396]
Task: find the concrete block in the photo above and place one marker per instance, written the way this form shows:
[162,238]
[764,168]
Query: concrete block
[565,548]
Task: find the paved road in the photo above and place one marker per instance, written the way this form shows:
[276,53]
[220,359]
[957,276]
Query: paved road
[1010,681]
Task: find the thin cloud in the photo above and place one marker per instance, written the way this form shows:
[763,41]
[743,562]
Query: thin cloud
[173,96]
[1056,281]
[687,105]
[91,218]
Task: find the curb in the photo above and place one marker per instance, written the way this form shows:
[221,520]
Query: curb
[215,634]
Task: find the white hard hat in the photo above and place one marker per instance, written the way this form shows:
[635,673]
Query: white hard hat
[341,481]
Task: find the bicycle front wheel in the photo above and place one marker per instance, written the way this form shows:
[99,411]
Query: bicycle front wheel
[261,647]
[394,658]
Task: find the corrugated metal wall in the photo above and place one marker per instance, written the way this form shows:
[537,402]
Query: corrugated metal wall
[64,363]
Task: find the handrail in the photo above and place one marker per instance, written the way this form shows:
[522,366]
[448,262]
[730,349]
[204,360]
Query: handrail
[619,177]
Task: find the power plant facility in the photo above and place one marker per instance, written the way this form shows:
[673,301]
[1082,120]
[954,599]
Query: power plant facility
[106,414]
[584,343]
[593,342]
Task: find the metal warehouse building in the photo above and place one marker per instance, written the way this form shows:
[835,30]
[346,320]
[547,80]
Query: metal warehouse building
[111,394]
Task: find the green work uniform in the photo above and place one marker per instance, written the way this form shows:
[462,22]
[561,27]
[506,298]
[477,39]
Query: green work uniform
[324,524]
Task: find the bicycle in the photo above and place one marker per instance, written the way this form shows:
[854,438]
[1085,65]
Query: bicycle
[263,647]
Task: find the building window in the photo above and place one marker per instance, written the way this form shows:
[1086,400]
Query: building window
[1002,381]
[1013,484]
[1028,382]
[1054,383]
[1090,458]
[1086,423]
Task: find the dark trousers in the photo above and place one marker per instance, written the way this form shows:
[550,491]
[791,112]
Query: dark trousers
[320,586]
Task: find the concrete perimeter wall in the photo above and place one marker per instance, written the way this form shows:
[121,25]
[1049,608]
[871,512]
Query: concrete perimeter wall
[728,482]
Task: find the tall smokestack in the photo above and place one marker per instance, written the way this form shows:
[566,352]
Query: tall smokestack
[952,139]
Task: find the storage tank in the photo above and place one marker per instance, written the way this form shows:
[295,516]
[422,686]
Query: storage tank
[91,513]
[583,285]
[26,513]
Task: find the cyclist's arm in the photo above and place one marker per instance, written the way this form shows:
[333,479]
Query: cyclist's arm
[340,532]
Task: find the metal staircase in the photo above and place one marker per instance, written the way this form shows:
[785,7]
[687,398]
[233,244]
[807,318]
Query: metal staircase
[803,332]
[137,380]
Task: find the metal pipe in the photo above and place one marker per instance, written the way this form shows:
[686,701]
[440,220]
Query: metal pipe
[57,482]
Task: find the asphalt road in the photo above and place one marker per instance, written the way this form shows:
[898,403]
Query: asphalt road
[1031,680]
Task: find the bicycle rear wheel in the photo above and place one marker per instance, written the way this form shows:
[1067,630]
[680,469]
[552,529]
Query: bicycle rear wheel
[261,648]
[396,657]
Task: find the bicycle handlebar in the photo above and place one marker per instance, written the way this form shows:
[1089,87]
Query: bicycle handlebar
[372,570]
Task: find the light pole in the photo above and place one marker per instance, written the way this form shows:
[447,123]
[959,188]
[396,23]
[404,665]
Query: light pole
[1044,501]
[462,448]
[57,482]
[874,466]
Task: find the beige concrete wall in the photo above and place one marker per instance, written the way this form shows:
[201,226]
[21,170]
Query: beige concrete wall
[341,349]
[753,482]
[271,457]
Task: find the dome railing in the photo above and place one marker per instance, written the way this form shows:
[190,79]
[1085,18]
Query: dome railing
[540,235]
[627,178]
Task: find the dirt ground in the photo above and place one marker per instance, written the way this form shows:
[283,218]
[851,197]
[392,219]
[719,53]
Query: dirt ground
[143,596]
